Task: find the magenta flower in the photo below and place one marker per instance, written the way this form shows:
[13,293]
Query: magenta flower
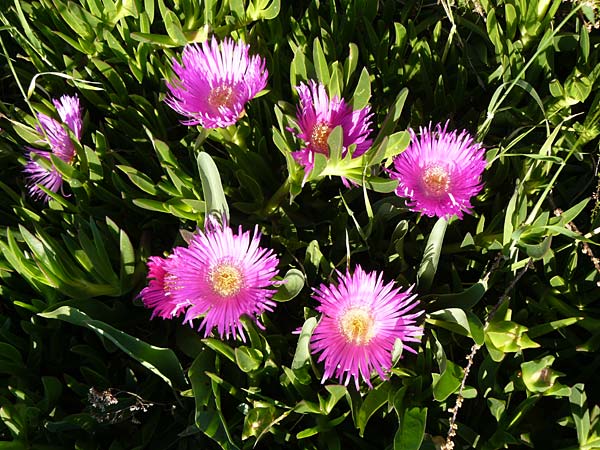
[361,319]
[224,276]
[56,135]
[439,172]
[317,116]
[157,295]
[214,82]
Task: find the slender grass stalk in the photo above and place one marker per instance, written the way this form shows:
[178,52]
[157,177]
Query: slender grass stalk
[14,74]
[544,44]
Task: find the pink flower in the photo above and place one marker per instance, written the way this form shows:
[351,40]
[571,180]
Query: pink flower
[157,295]
[439,172]
[214,82]
[317,116]
[69,110]
[224,276]
[361,319]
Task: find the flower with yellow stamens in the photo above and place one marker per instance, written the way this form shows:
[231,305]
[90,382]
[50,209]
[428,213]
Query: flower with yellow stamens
[361,319]
[439,172]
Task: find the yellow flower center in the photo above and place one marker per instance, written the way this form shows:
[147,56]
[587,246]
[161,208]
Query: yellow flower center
[356,324]
[226,279]
[318,137]
[436,180]
[221,95]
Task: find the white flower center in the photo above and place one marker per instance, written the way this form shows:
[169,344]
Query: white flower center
[225,279]
[318,137]
[356,324]
[221,95]
[436,180]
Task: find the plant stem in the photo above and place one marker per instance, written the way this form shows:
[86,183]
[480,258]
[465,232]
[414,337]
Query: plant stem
[277,198]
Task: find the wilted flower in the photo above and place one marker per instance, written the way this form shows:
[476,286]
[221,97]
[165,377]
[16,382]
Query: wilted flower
[56,135]
[224,276]
[317,116]
[440,171]
[214,82]
[361,319]
[157,295]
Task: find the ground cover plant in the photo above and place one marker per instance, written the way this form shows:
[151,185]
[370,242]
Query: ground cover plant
[314,225]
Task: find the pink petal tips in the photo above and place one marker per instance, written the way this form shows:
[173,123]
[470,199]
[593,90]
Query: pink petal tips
[439,172]
[213,82]
[361,319]
[317,116]
[56,135]
[157,295]
[220,277]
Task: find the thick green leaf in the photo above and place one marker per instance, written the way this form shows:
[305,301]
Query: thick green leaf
[411,430]
[448,382]
[538,251]
[201,385]
[302,354]
[540,330]
[127,259]
[431,255]
[580,412]
[140,179]
[53,389]
[389,123]
[154,39]
[173,27]
[263,11]
[161,361]
[378,184]
[508,336]
[320,62]
[362,93]
[220,347]
[351,62]
[14,445]
[11,362]
[509,220]
[298,70]
[248,359]
[464,300]
[212,187]
[459,321]
[571,213]
[335,84]
[538,375]
[374,400]
[336,393]
[151,205]
[290,287]
[335,141]
[210,423]
[497,407]
[257,420]
[98,253]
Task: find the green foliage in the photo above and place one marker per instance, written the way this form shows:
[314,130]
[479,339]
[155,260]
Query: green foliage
[161,361]
[521,75]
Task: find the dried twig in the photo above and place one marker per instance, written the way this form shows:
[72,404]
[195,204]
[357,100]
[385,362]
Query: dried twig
[478,8]
[449,444]
[106,408]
